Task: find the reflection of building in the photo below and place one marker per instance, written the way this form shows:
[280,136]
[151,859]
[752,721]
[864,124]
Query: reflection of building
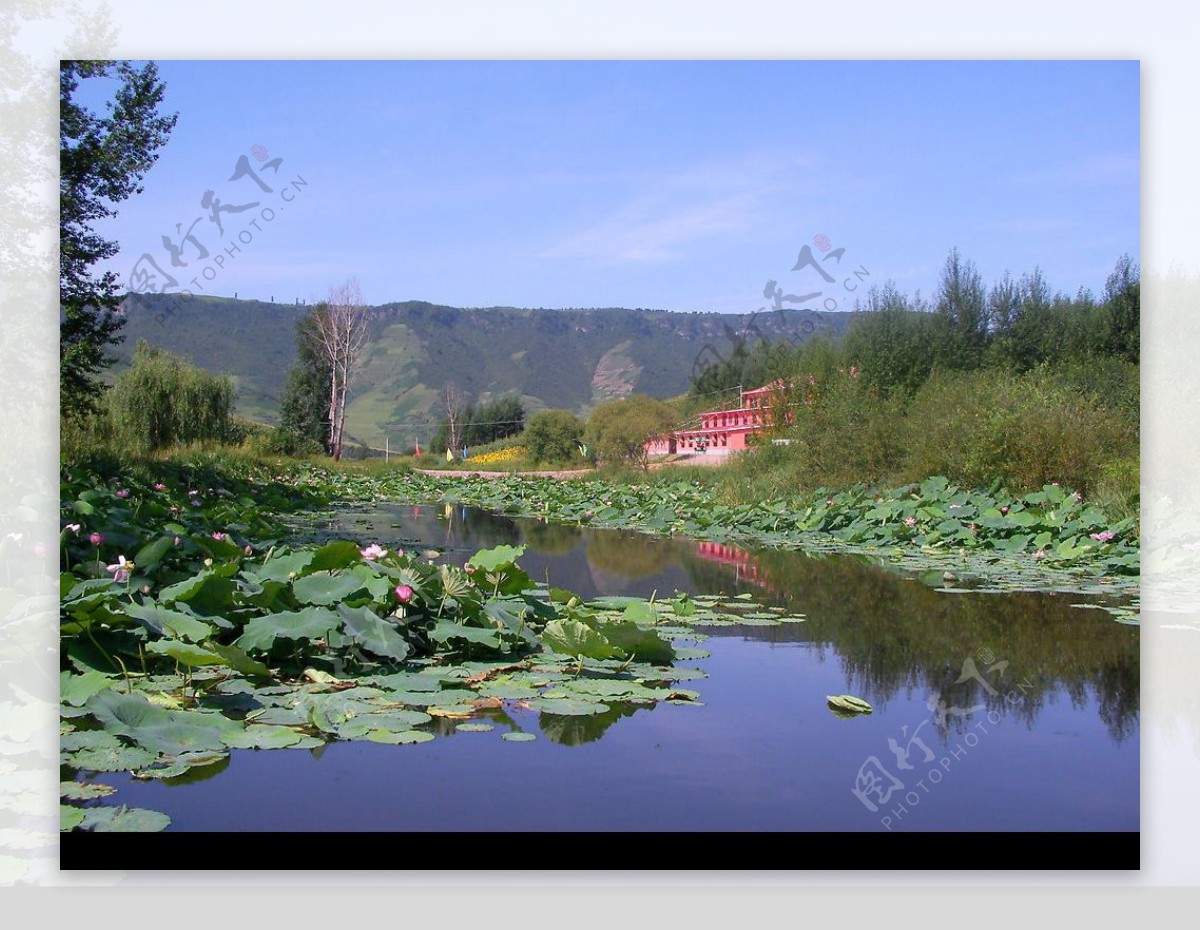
[723,431]
[745,565]
[740,559]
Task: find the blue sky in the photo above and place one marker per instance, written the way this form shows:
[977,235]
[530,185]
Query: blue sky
[667,184]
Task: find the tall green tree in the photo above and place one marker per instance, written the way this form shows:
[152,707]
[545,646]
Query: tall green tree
[102,160]
[962,313]
[1122,305]
[304,407]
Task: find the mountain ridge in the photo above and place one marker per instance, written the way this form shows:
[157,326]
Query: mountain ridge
[570,358]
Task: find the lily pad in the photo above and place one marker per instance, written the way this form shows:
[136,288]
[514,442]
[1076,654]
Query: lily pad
[848,704]
[567,706]
[84,790]
[399,738]
[262,737]
[518,737]
[159,729]
[124,820]
[110,759]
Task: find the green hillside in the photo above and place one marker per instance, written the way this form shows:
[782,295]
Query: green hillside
[572,359]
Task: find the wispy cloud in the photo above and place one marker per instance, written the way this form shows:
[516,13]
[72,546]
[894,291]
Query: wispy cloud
[664,215]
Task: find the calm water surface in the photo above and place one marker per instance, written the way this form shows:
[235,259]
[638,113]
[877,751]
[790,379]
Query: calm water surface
[1012,712]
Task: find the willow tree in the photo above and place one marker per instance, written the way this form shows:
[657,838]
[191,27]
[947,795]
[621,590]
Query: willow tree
[340,328]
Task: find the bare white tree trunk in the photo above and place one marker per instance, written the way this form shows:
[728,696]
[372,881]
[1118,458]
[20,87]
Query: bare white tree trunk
[454,401]
[341,324]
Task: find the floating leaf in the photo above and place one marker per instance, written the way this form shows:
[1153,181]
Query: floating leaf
[848,704]
[567,707]
[110,759]
[84,790]
[518,737]
[156,728]
[405,736]
[88,739]
[69,817]
[124,820]
[262,737]
[473,728]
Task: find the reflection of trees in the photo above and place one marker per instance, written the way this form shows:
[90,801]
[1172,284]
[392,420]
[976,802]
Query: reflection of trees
[628,554]
[894,634]
[577,729]
[552,538]
[467,526]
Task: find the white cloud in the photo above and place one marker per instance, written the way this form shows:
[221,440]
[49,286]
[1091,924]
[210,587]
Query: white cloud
[704,201]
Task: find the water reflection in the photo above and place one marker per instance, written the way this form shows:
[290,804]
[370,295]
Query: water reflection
[894,637]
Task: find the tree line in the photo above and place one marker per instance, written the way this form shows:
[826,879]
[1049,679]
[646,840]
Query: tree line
[1017,324]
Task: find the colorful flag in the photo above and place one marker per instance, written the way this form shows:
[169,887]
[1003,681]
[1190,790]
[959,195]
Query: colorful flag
[418,445]
[449,456]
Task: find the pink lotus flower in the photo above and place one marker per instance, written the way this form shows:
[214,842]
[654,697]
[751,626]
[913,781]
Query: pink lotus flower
[122,493]
[1103,536]
[95,539]
[221,537]
[404,593]
[910,521]
[373,551]
[1040,554]
[73,527]
[160,487]
[1078,498]
[121,570]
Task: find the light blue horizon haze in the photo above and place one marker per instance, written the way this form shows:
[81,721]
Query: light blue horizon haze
[663,184]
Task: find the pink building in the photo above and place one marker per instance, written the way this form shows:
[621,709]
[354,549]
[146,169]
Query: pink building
[722,431]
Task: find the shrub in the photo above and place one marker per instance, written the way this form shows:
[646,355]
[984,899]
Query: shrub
[1023,430]
[553,436]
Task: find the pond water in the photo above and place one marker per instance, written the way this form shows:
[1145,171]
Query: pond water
[991,712]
